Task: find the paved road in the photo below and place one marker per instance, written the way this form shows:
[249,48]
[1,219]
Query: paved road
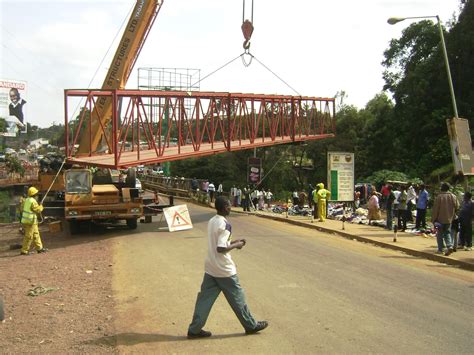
[320,293]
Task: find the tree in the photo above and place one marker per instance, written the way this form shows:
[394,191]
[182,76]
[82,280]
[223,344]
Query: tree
[416,76]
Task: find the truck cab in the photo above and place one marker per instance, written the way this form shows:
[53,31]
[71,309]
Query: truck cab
[93,197]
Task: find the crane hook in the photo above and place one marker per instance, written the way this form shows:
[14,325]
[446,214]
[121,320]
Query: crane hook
[247,27]
[247,30]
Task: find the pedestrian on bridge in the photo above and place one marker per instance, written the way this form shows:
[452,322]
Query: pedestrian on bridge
[221,275]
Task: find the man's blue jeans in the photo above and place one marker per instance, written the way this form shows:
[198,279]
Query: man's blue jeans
[211,287]
[444,235]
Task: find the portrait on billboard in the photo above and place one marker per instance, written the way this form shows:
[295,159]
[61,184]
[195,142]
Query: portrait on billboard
[13,107]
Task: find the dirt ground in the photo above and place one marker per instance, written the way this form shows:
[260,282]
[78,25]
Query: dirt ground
[77,308]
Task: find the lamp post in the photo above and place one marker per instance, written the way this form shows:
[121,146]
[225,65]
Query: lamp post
[394,20]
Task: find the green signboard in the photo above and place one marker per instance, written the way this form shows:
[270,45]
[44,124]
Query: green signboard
[341,176]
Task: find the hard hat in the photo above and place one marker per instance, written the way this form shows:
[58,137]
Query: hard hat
[321,185]
[32,191]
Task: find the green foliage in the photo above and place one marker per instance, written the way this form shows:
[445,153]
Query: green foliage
[3,125]
[228,168]
[14,165]
[416,76]
[5,207]
[400,134]
[380,177]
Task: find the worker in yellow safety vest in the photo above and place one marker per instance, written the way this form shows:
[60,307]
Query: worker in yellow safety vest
[323,196]
[29,220]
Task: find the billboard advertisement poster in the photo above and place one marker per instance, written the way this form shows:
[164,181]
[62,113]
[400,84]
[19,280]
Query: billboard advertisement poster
[461,146]
[254,170]
[13,107]
[341,176]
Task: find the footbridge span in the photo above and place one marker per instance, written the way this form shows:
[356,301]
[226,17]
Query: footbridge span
[149,127]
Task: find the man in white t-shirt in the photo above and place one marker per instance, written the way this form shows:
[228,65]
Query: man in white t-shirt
[221,275]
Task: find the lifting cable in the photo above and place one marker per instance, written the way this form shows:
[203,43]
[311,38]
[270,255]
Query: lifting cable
[49,188]
[247,30]
[247,27]
[105,56]
[271,71]
[215,71]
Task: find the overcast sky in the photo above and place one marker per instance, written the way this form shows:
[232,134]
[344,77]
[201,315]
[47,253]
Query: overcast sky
[317,47]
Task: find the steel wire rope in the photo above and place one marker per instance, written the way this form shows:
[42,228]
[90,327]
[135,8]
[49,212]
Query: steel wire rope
[105,55]
[49,188]
[243,12]
[50,90]
[215,71]
[112,42]
[271,71]
[269,171]
[13,68]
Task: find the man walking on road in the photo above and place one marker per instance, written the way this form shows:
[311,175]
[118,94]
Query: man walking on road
[444,209]
[221,275]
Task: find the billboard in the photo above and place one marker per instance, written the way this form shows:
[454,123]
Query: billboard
[461,146]
[13,99]
[341,176]
[254,174]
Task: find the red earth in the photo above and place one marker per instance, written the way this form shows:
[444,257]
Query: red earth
[75,313]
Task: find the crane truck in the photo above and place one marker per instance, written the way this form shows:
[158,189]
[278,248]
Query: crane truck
[94,194]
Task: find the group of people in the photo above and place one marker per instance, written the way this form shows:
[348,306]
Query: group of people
[450,218]
[399,202]
[318,200]
[256,198]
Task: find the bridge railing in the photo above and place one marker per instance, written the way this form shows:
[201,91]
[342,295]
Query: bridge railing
[157,126]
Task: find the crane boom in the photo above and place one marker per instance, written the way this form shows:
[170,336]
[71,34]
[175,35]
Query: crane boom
[133,38]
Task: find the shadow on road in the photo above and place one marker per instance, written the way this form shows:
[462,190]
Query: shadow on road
[130,339]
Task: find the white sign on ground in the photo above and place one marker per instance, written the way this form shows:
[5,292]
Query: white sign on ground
[178,218]
[341,176]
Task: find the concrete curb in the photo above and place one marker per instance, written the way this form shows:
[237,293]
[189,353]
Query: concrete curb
[417,253]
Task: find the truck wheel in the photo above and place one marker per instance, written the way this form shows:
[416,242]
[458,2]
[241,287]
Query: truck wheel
[74,227]
[132,223]
[2,312]
[131,180]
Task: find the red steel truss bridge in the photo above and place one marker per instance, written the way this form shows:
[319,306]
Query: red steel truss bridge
[147,127]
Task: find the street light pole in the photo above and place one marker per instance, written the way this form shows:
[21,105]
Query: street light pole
[394,20]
